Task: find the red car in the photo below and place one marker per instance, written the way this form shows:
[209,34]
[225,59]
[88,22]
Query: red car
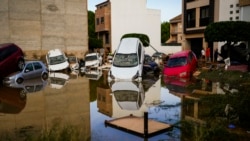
[11,59]
[181,64]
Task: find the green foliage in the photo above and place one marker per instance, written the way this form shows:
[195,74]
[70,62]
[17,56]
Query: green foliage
[165,31]
[143,37]
[230,31]
[93,41]
[91,24]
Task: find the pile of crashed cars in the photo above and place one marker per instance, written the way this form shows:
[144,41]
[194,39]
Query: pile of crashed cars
[32,75]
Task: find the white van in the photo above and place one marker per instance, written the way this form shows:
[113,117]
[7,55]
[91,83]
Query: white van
[93,60]
[57,60]
[128,61]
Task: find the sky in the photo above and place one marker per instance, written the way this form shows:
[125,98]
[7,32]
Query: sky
[169,8]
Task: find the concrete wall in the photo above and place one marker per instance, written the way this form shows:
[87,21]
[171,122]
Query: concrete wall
[130,16]
[40,25]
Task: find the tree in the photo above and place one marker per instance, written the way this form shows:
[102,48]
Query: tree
[94,42]
[165,31]
[229,31]
[143,37]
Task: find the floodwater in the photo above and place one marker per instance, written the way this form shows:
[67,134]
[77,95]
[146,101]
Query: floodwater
[75,106]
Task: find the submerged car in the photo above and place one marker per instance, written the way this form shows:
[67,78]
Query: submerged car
[150,66]
[57,60]
[11,59]
[128,61]
[93,60]
[73,63]
[181,64]
[32,69]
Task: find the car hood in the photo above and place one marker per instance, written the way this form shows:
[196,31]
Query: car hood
[124,73]
[175,71]
[58,67]
[90,63]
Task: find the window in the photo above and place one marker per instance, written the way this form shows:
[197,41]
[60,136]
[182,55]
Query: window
[102,20]
[191,18]
[237,18]
[237,11]
[28,68]
[231,12]
[97,21]
[231,6]
[37,65]
[230,18]
[204,16]
[107,38]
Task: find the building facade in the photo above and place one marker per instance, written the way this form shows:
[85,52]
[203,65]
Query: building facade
[175,30]
[103,25]
[38,26]
[197,14]
[124,18]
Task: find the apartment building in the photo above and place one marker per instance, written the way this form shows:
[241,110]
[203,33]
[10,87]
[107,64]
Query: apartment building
[175,30]
[197,14]
[103,25]
[115,18]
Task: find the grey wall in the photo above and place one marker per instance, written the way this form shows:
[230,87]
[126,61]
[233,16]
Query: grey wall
[40,25]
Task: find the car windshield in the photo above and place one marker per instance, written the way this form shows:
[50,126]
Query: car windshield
[174,62]
[91,58]
[57,60]
[125,60]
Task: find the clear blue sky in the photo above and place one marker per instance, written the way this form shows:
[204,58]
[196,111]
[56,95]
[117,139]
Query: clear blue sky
[169,8]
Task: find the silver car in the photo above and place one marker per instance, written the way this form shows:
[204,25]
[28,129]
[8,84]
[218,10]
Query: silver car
[32,69]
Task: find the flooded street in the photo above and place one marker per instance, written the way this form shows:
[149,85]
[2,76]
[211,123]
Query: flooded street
[76,106]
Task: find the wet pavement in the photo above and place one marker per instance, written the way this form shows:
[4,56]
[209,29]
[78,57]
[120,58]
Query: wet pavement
[75,107]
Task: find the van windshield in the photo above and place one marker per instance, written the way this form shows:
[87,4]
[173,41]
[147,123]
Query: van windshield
[91,58]
[125,60]
[57,60]
[175,62]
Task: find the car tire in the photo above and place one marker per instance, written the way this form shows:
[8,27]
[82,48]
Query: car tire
[45,76]
[20,64]
[19,80]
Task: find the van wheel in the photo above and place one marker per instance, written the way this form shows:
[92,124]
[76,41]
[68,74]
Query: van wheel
[20,64]
[45,76]
[19,80]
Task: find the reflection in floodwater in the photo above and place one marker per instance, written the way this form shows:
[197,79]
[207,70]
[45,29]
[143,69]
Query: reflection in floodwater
[93,74]
[58,80]
[31,85]
[78,110]
[63,112]
[11,100]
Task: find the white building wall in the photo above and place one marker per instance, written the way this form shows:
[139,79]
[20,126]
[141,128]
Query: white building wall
[225,15]
[132,16]
[225,9]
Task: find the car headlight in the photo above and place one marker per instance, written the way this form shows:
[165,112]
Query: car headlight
[136,75]
[183,74]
